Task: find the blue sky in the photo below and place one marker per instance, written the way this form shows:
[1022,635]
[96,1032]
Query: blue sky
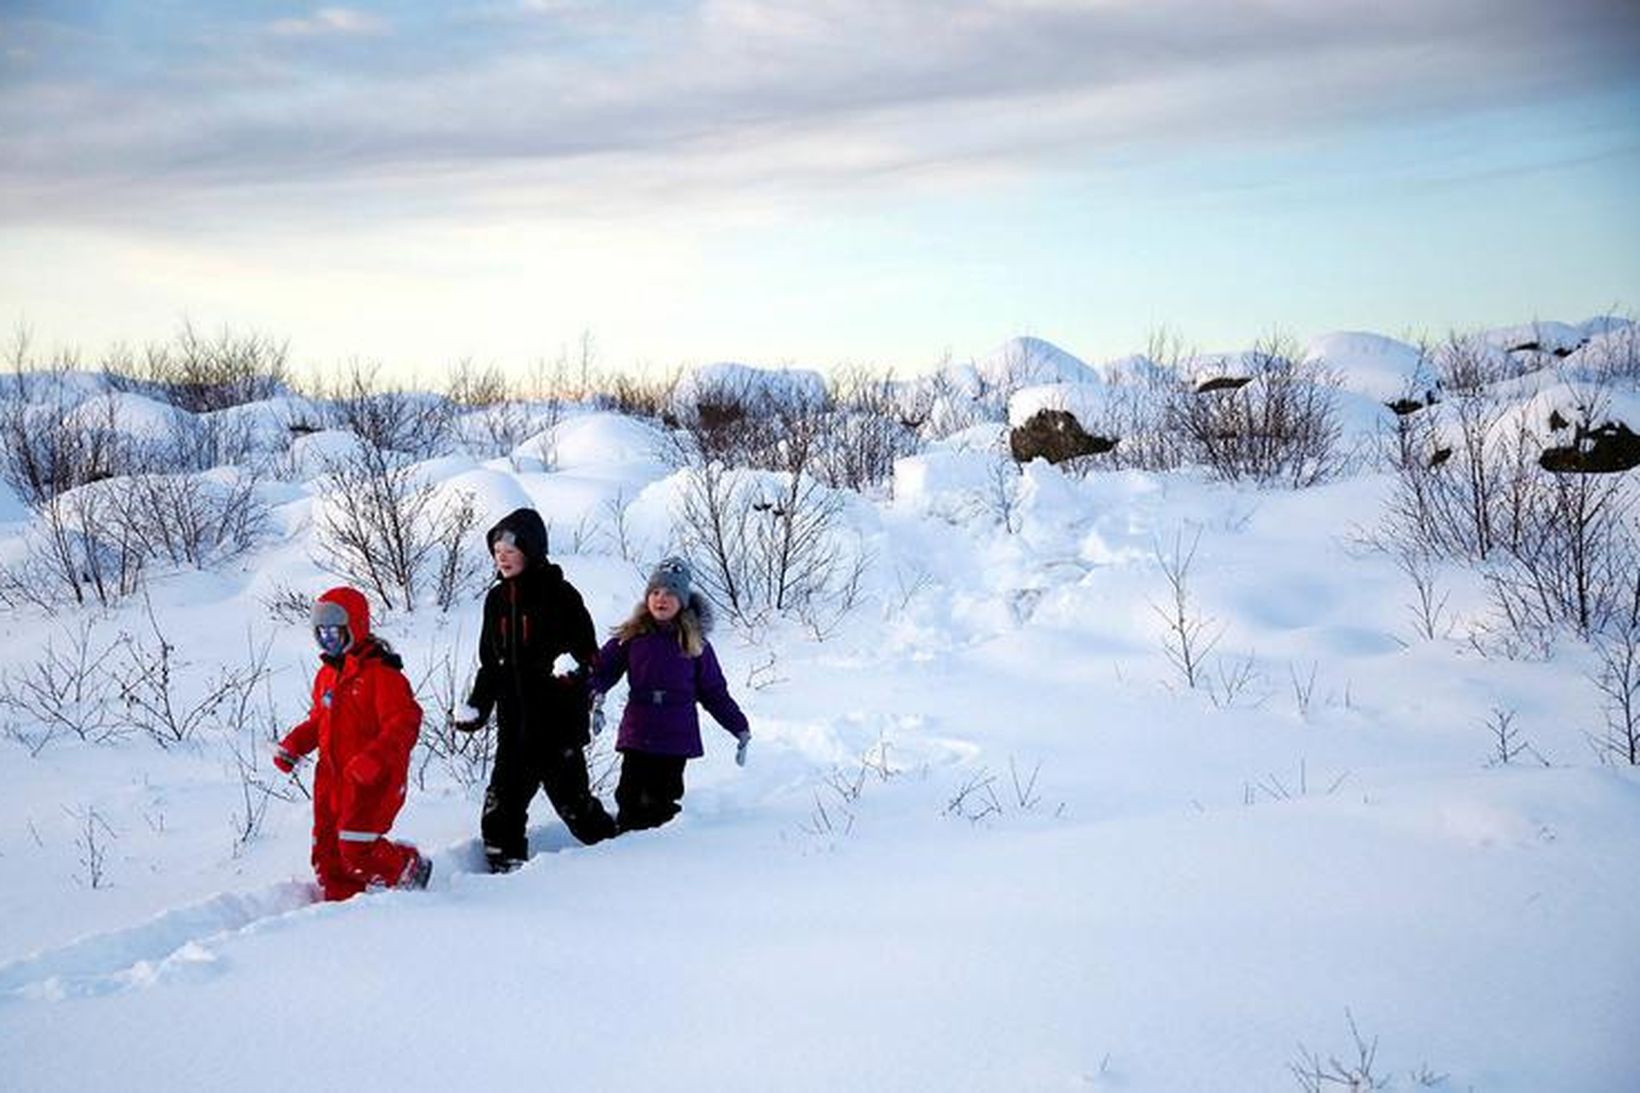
[821,183]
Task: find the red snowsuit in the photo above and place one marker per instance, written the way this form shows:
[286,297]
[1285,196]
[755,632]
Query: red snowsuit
[364,720]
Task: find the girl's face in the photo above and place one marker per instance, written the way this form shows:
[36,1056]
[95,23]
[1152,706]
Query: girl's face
[662,604]
[509,560]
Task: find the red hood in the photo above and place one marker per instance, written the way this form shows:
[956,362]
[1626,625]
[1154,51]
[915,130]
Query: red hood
[358,611]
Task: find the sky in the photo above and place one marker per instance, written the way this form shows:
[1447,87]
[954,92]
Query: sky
[822,183]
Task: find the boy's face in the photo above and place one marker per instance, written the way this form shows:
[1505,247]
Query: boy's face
[509,560]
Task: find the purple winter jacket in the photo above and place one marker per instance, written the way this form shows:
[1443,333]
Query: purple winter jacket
[665,684]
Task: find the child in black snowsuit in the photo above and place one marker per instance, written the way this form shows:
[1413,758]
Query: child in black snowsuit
[532,615]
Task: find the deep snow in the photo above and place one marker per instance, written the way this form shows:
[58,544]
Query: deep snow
[1161,892]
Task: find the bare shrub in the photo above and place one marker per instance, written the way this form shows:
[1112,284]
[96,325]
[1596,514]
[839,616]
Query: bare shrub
[65,692]
[1279,428]
[639,396]
[1573,560]
[415,424]
[188,519]
[72,553]
[864,435]
[1508,742]
[48,445]
[1618,681]
[765,541]
[1190,635]
[1558,551]
[92,838]
[466,757]
[201,374]
[383,527]
[167,707]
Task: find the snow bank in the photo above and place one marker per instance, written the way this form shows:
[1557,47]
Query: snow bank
[1373,365]
[1024,362]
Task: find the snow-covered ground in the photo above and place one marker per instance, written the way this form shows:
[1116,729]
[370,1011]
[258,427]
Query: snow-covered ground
[986,838]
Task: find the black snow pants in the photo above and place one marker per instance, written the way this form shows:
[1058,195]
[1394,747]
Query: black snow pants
[650,789]
[562,772]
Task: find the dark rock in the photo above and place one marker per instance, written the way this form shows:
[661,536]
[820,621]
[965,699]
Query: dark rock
[1054,435]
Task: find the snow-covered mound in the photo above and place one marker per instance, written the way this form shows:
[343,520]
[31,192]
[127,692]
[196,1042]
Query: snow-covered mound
[1023,362]
[134,417]
[271,425]
[311,454]
[597,440]
[1554,338]
[1371,364]
[1136,368]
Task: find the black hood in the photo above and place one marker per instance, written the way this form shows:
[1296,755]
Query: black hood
[529,535]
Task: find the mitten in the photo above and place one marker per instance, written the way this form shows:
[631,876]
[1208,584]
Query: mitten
[363,770]
[745,740]
[285,759]
[597,712]
[463,718]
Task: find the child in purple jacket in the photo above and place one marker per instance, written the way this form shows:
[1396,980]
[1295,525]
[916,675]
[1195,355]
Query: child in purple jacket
[670,667]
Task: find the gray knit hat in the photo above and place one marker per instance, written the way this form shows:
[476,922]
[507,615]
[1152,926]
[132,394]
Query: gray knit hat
[674,575]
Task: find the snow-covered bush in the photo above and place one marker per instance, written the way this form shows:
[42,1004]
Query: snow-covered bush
[1276,424]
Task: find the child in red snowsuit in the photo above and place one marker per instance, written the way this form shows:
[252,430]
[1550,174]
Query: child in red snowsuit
[364,721]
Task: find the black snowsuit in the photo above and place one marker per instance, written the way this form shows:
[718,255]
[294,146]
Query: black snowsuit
[541,719]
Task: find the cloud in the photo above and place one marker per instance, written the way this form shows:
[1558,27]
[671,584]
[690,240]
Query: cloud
[697,98]
[330,21]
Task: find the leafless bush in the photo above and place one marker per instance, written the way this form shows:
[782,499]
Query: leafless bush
[168,709]
[1303,688]
[188,519]
[72,553]
[864,435]
[1508,743]
[1573,561]
[1137,412]
[250,721]
[92,841]
[465,756]
[418,425]
[474,388]
[66,691]
[201,374]
[288,606]
[457,569]
[1275,789]
[1279,428]
[1235,682]
[1558,551]
[1466,364]
[766,542]
[1431,618]
[1454,487]
[1618,680]
[639,396]
[1190,635]
[1614,357]
[50,444]
[380,526]
[1315,1076]
[982,793]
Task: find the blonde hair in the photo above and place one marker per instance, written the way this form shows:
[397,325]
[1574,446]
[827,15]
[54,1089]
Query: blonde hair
[691,635]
